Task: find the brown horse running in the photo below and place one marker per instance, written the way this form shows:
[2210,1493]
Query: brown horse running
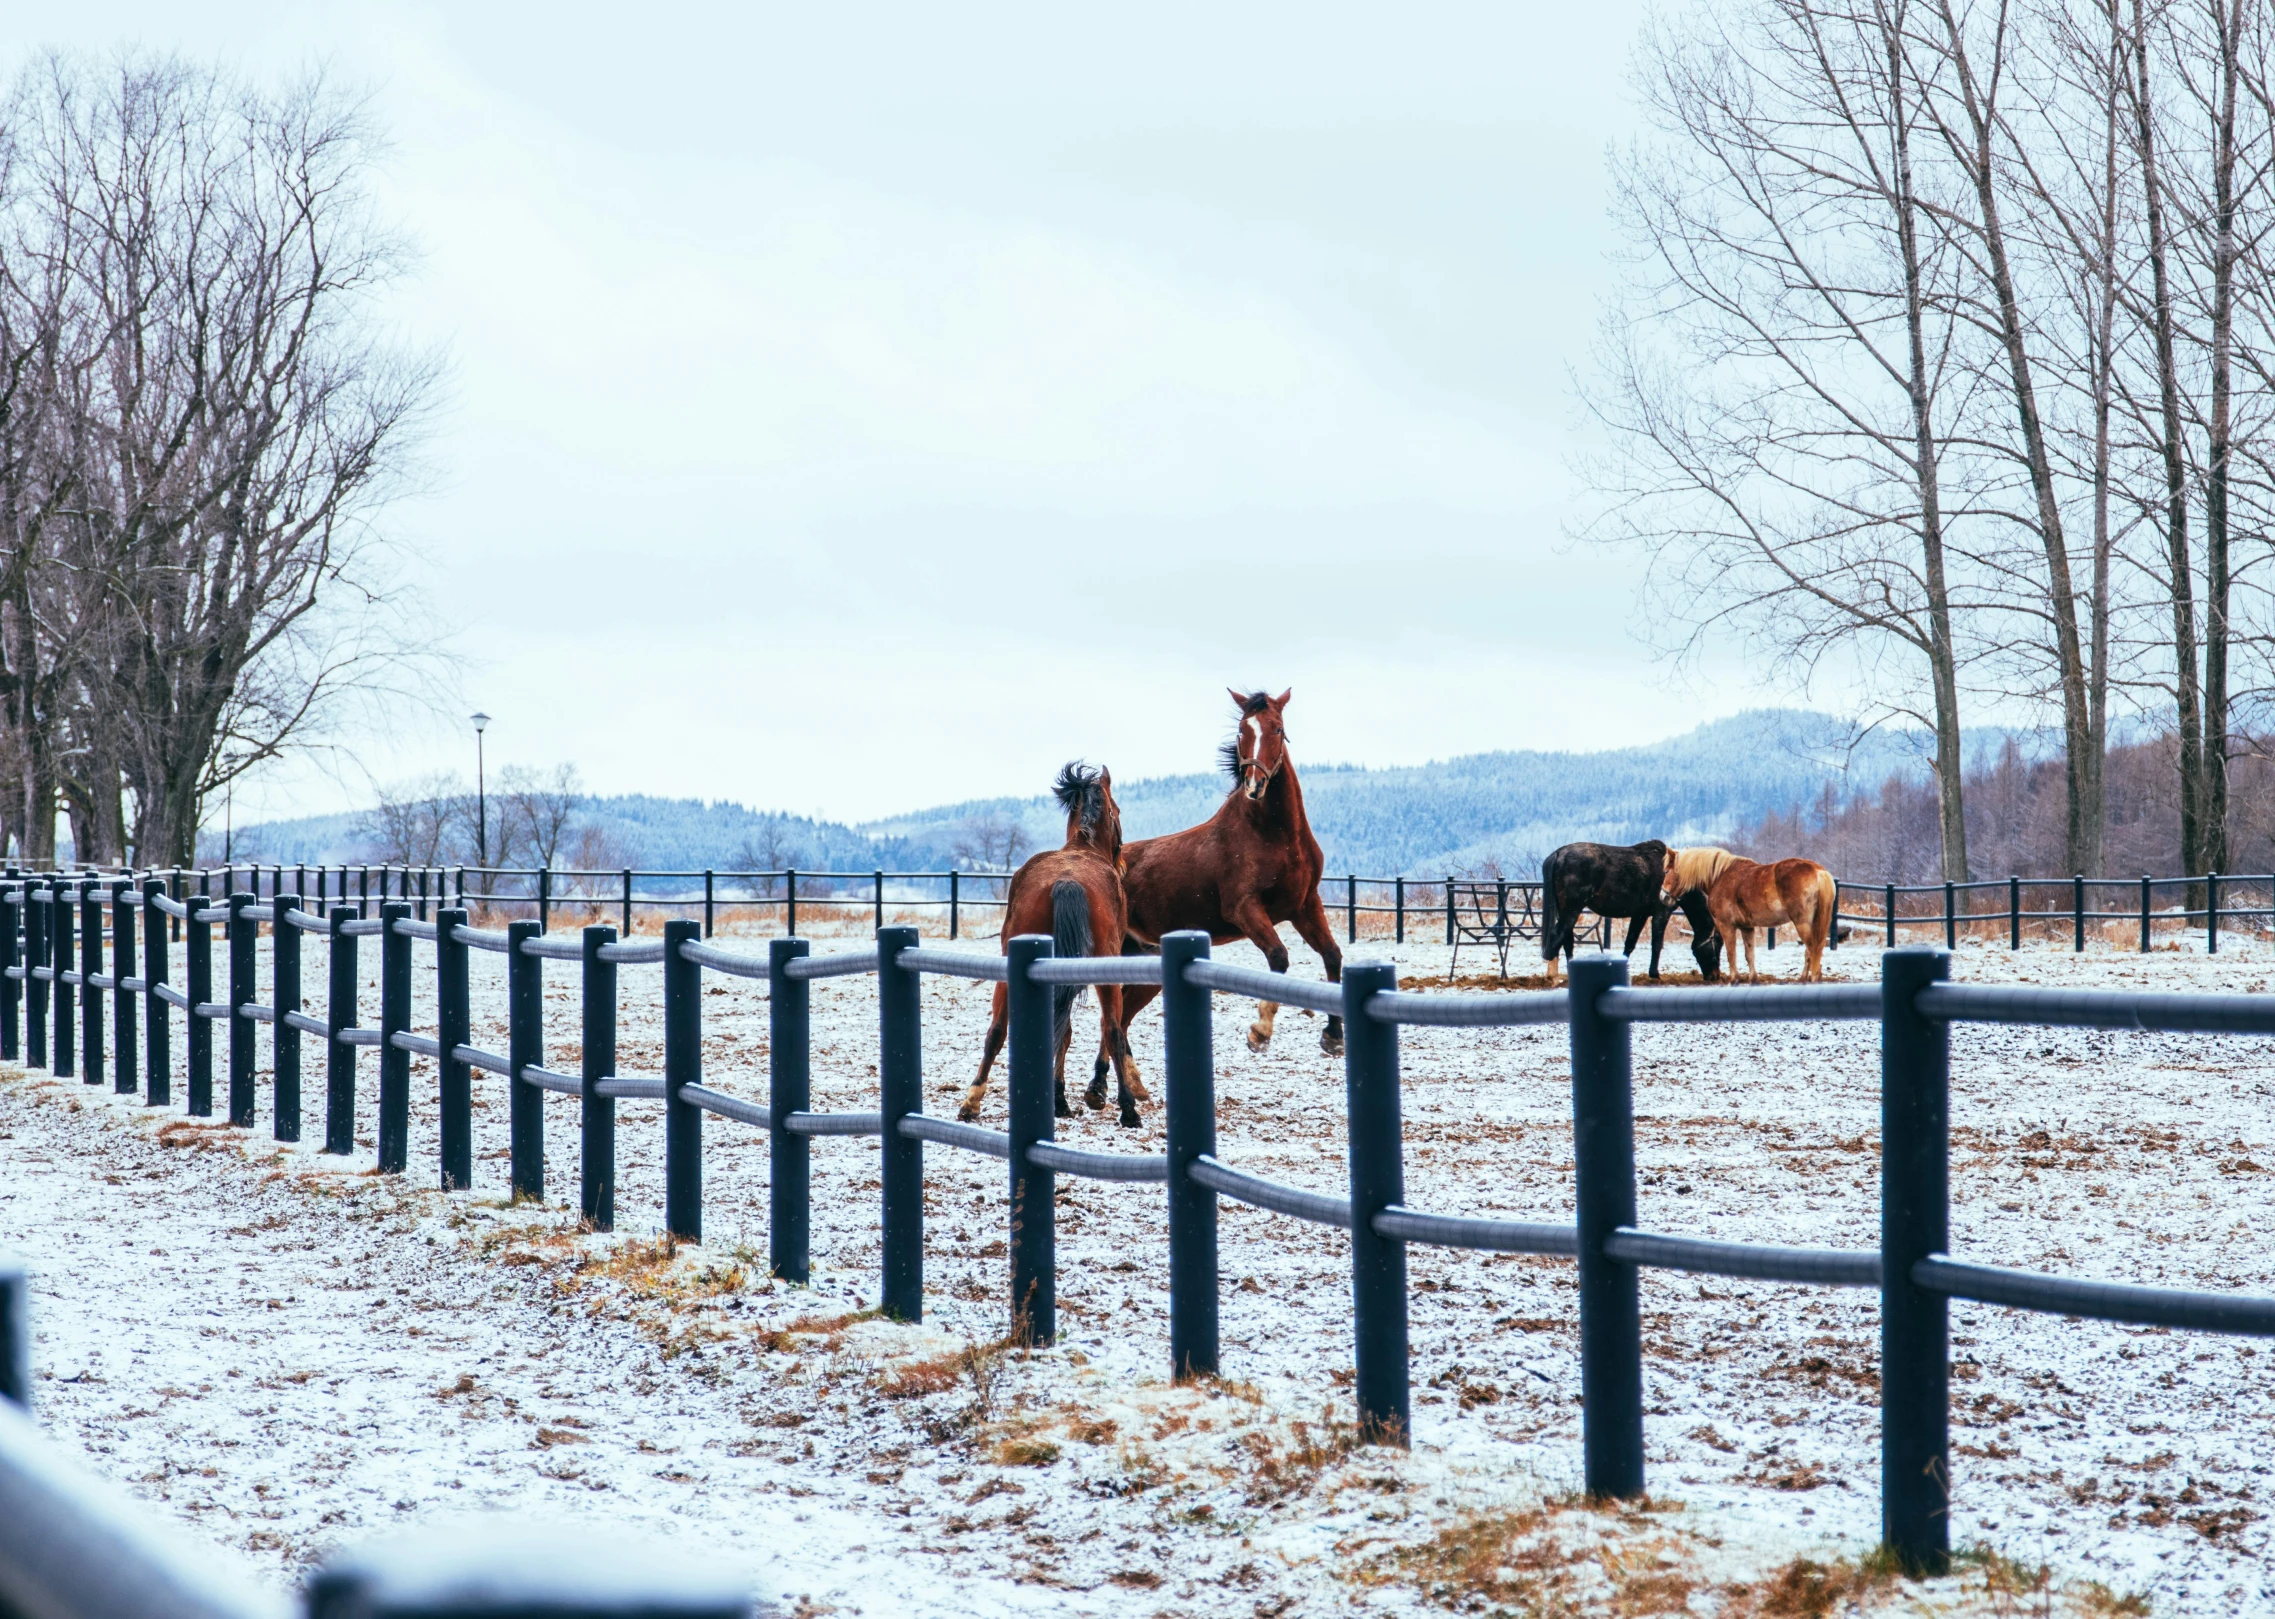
[1238,875]
[1743,895]
[1074,894]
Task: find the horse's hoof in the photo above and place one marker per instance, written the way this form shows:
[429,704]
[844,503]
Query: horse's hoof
[1332,1044]
[1257,1042]
[1095,1098]
[969,1113]
[1060,1109]
[1130,1119]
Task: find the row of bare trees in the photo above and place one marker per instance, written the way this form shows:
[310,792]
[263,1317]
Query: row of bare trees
[201,418]
[1943,366]
[531,818]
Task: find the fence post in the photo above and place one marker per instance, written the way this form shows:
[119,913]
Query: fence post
[37,903]
[90,993]
[1351,908]
[597,1194]
[244,944]
[12,913]
[339,1013]
[2077,910]
[124,904]
[1915,1352]
[394,1019]
[197,1032]
[2144,913]
[1950,916]
[627,930]
[1398,907]
[1378,1180]
[880,881]
[683,1066]
[2014,913]
[525,1048]
[1034,1189]
[953,897]
[454,1026]
[708,889]
[15,1336]
[1889,905]
[423,892]
[545,898]
[900,1091]
[2212,913]
[284,1039]
[1603,1159]
[1188,1057]
[788,1080]
[790,887]
[1449,910]
[157,1032]
[60,948]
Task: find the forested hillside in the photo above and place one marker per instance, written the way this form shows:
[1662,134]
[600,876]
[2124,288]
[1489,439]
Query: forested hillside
[1476,812]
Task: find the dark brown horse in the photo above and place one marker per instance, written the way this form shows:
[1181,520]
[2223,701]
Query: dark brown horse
[1238,875]
[1074,894]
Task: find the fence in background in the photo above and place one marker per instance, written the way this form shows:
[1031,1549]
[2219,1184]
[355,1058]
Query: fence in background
[1911,1269]
[1461,905]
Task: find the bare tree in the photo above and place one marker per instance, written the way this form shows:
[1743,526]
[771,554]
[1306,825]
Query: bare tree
[1776,377]
[769,847]
[194,573]
[993,841]
[427,822]
[536,813]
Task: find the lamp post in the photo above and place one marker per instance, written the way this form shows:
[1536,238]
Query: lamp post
[481,797]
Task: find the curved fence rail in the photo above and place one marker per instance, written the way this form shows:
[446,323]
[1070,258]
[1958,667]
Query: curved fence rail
[54,930]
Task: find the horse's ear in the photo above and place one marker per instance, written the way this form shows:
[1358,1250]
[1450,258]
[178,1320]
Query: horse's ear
[1281,701]
[1239,698]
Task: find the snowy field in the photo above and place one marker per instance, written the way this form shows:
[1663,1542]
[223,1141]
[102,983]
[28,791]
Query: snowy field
[290,1352]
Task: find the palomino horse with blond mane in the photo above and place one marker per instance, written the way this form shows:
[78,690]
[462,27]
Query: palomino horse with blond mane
[1743,895]
[1074,894]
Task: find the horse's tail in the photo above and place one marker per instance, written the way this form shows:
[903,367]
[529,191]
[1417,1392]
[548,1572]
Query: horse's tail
[1070,936]
[1828,905]
[1548,928]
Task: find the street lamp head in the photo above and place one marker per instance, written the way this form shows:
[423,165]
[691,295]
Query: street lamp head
[480,720]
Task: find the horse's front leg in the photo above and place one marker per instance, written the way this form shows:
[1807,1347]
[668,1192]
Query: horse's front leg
[1634,932]
[1311,921]
[1256,927]
[997,1023]
[1659,915]
[1115,1032]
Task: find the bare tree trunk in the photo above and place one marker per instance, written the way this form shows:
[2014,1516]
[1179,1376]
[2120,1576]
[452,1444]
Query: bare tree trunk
[2228,19]
[1943,665]
[1976,156]
[2103,373]
[2171,449]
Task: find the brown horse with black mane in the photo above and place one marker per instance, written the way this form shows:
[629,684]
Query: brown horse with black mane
[1239,874]
[1074,894]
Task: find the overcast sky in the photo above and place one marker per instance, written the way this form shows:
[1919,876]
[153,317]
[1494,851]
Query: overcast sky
[858,407]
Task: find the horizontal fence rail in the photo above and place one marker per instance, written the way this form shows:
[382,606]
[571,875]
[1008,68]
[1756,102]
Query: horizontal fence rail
[59,932]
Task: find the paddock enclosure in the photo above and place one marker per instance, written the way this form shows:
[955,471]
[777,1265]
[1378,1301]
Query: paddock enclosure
[79,939]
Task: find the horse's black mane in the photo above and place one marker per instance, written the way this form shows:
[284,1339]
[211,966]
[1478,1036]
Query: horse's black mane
[1079,791]
[1228,751]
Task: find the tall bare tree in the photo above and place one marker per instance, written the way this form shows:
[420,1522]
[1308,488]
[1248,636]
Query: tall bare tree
[1776,379]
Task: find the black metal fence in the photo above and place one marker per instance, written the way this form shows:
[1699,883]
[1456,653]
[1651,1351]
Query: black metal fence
[1509,908]
[1912,1268]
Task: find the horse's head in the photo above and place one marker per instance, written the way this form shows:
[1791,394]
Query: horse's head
[1689,869]
[1086,793]
[1260,747]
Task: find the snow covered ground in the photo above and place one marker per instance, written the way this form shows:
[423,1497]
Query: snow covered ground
[291,1352]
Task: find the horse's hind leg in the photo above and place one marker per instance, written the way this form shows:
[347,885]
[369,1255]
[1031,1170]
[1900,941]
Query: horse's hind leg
[1311,922]
[1130,1089]
[1058,1073]
[997,1023]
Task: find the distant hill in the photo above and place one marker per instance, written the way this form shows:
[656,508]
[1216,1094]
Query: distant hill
[1422,820]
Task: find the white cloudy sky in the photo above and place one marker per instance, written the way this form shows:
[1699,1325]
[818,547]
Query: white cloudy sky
[854,407]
